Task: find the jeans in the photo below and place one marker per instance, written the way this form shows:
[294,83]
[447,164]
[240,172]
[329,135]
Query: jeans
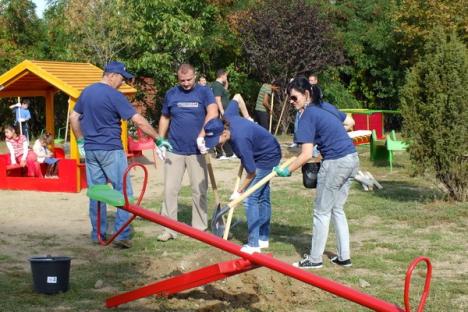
[334,180]
[103,167]
[258,210]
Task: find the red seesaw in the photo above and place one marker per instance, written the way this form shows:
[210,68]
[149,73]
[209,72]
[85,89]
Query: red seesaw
[246,262]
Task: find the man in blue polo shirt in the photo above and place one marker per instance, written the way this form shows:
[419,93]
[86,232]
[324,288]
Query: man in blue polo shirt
[96,123]
[186,109]
[259,152]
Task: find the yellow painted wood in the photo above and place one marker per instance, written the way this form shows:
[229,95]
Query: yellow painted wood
[50,112]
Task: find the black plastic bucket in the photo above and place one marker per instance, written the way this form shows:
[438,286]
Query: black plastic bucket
[50,274]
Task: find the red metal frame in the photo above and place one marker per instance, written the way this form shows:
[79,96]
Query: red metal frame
[247,262]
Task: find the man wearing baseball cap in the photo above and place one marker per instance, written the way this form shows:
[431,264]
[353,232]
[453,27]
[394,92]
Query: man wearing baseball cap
[96,123]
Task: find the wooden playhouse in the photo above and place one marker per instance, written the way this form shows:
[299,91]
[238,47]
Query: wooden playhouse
[44,79]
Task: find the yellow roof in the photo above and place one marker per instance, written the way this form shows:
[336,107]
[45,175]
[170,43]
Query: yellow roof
[71,78]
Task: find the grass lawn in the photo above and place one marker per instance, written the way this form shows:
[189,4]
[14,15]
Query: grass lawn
[389,227]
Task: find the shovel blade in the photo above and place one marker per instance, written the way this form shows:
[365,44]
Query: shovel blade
[217,221]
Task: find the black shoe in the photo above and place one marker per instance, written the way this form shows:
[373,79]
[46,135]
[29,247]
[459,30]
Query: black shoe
[122,244]
[306,263]
[344,263]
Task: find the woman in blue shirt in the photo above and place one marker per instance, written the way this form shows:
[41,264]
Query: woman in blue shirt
[322,124]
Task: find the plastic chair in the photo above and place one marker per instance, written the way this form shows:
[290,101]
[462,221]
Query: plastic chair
[142,142]
[393,144]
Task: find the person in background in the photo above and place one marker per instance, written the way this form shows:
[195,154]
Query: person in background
[262,106]
[259,152]
[322,124]
[186,109]
[314,81]
[22,116]
[96,123]
[44,155]
[202,81]
[18,146]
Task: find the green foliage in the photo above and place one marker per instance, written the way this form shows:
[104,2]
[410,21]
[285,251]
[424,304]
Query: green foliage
[435,111]
[372,72]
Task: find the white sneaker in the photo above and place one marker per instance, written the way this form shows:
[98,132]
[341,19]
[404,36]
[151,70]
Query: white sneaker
[233,156]
[263,244]
[250,250]
[223,158]
[292,145]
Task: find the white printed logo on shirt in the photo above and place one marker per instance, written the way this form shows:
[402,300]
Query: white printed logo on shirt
[187,104]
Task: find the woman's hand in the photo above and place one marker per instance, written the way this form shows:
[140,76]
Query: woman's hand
[23,163]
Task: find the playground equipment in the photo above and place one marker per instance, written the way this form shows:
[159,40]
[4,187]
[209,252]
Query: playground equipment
[141,143]
[44,79]
[240,265]
[383,149]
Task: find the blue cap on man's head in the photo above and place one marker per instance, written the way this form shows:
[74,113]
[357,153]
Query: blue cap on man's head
[213,130]
[118,68]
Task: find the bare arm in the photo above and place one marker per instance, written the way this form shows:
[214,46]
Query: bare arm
[348,123]
[163,125]
[211,112]
[243,108]
[144,125]
[75,124]
[12,153]
[304,156]
[248,179]
[220,105]
[266,102]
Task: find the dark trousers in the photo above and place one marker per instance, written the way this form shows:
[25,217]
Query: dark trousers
[263,119]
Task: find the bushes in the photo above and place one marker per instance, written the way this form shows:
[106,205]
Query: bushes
[434,108]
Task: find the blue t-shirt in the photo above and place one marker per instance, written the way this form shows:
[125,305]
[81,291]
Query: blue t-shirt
[21,113]
[102,108]
[323,126]
[187,110]
[253,144]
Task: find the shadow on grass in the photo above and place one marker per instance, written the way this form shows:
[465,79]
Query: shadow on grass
[288,234]
[407,192]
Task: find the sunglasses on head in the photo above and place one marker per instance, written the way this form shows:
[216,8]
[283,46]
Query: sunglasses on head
[293,98]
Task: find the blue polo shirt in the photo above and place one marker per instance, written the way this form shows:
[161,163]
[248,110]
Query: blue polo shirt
[253,144]
[102,108]
[187,110]
[323,125]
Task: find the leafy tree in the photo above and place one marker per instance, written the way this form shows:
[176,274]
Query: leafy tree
[416,20]
[435,111]
[372,70]
[283,39]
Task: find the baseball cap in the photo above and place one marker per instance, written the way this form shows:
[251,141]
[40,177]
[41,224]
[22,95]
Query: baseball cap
[213,129]
[118,68]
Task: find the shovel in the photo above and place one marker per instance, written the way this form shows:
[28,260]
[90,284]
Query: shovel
[217,223]
[213,181]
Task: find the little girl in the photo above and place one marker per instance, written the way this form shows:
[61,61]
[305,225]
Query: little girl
[18,146]
[45,156]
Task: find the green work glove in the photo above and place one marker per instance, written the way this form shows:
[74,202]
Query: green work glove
[161,142]
[81,149]
[282,172]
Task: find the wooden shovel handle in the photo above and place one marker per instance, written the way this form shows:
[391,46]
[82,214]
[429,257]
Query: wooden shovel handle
[249,191]
[209,166]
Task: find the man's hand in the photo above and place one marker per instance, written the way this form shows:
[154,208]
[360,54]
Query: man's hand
[161,152]
[161,142]
[282,172]
[81,149]
[235,195]
[201,145]
[22,163]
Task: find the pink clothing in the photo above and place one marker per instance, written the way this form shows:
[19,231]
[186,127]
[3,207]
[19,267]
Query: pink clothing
[17,148]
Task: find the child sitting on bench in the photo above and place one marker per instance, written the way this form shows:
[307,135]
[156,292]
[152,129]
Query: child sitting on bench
[44,155]
[18,146]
